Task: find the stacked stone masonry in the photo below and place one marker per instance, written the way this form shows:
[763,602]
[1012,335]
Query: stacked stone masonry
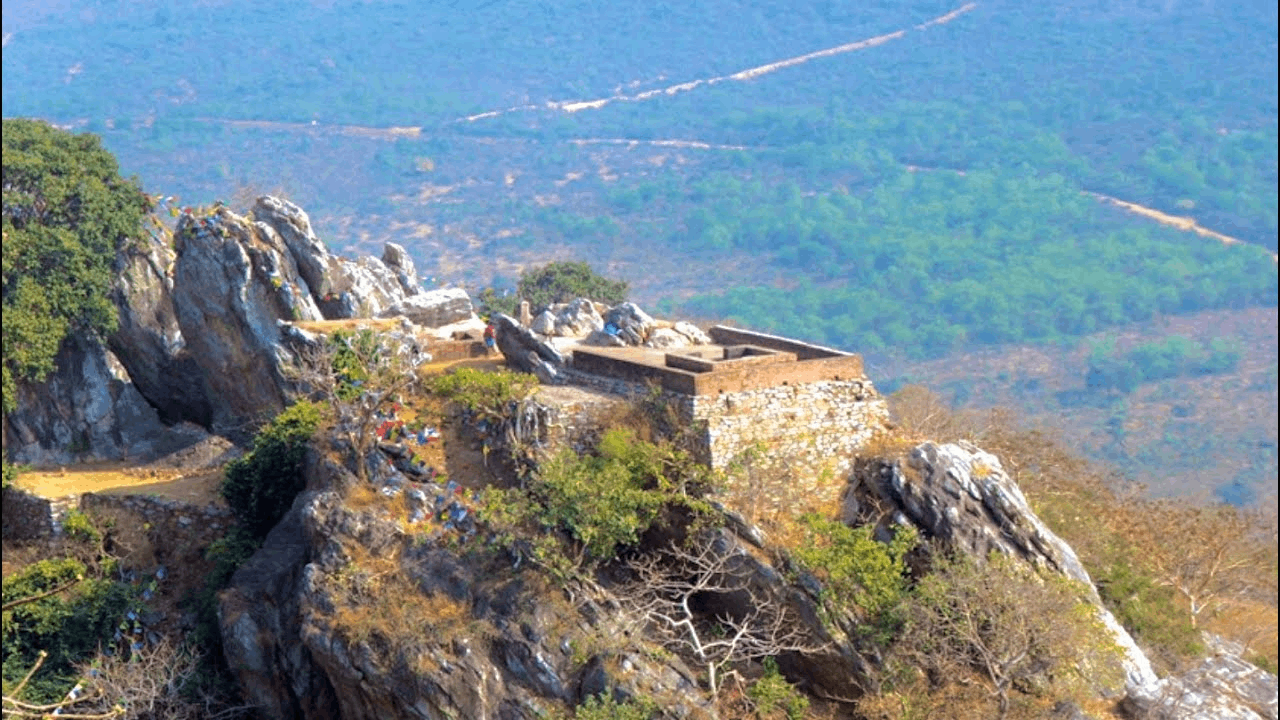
[797,410]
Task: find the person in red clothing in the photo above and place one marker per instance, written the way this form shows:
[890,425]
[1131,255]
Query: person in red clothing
[490,337]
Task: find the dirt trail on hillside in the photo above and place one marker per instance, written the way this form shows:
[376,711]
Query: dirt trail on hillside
[1183,223]
[572,106]
[1186,224]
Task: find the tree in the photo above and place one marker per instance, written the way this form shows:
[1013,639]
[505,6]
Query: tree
[1001,619]
[1209,555]
[563,281]
[66,213]
[359,376]
[669,586]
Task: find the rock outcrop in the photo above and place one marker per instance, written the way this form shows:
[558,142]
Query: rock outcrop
[233,282]
[493,641]
[204,334]
[525,350]
[88,410]
[1221,687]
[961,495]
[434,308]
[149,340]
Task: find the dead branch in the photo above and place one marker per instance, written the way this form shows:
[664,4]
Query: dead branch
[669,584]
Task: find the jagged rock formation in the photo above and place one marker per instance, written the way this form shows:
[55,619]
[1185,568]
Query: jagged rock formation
[149,339]
[961,495]
[86,411]
[1221,687]
[204,334]
[513,654]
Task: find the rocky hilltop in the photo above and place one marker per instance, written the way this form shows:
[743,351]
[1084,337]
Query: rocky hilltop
[204,335]
[390,592]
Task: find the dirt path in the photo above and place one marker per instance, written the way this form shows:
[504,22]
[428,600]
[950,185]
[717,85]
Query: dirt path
[573,106]
[198,488]
[1186,224]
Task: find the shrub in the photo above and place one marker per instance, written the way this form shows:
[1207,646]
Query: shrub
[603,501]
[604,707]
[483,391]
[79,527]
[69,625]
[563,281]
[261,486]
[773,692]
[857,571]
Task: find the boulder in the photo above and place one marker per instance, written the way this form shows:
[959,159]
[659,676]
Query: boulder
[962,496]
[577,319]
[693,333]
[521,346]
[87,410]
[397,258]
[434,308]
[544,323]
[666,338]
[633,323]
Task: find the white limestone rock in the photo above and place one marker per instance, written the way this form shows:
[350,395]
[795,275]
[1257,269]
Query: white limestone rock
[578,319]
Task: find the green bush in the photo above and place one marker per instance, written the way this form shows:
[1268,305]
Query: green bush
[857,572]
[604,707]
[261,486]
[773,692]
[564,281]
[78,526]
[604,501]
[69,625]
[483,391]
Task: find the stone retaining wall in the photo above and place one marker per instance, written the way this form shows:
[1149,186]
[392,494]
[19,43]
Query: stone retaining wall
[167,516]
[806,431]
[26,516]
[30,517]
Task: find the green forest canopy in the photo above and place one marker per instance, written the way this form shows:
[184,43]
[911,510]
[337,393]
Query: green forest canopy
[66,213]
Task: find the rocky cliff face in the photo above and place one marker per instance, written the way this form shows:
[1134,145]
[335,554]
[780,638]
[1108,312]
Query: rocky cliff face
[201,335]
[461,633]
[961,495]
[87,410]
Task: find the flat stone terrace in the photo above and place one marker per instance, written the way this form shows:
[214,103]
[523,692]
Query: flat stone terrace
[736,361]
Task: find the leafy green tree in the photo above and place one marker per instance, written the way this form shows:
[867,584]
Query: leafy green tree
[564,281]
[66,213]
[261,486]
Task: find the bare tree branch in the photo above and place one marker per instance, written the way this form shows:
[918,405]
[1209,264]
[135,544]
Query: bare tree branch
[668,588]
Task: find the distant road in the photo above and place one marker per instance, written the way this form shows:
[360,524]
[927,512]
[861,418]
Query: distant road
[573,106]
[1186,224]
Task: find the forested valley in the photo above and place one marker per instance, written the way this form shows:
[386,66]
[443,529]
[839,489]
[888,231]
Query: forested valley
[915,181]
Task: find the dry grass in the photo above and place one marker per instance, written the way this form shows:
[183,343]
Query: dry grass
[1250,623]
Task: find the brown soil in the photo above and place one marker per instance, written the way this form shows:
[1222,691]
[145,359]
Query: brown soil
[199,488]
[328,326]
